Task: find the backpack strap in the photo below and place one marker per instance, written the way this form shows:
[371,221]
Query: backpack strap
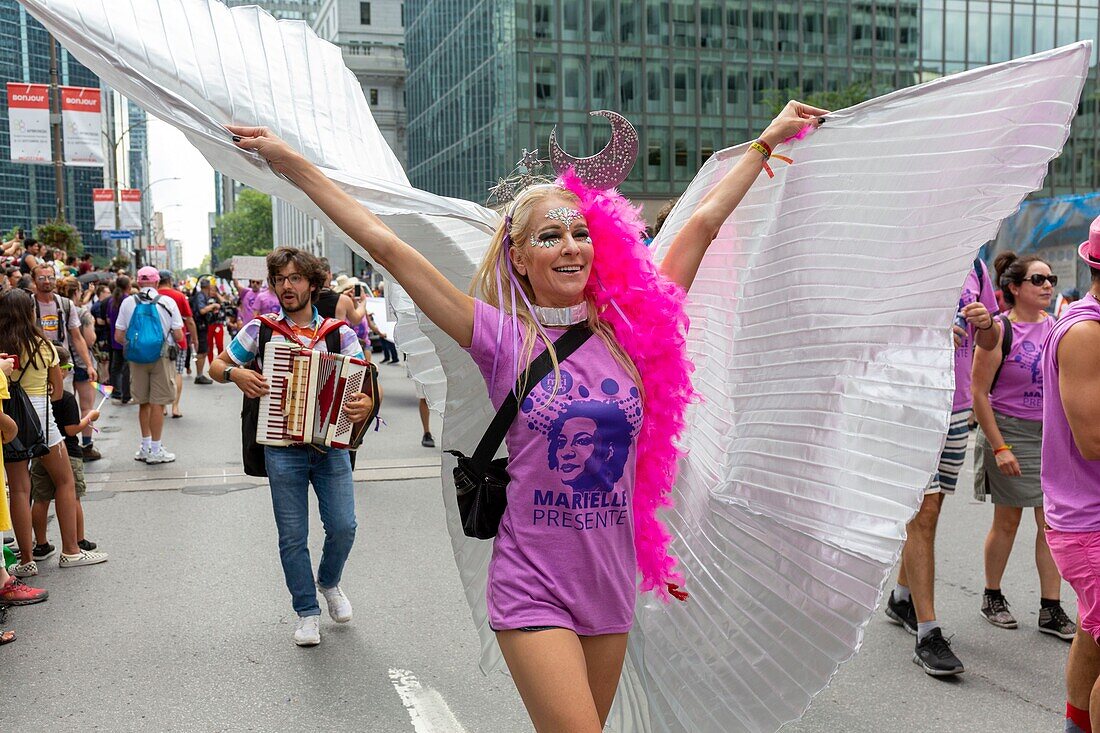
[1006,347]
[978,274]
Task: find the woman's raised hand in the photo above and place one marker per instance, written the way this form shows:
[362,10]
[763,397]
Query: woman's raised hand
[282,158]
[788,123]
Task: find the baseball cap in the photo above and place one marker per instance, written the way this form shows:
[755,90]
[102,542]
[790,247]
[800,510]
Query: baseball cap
[165,274]
[148,274]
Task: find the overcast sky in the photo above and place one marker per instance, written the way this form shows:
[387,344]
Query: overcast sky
[188,202]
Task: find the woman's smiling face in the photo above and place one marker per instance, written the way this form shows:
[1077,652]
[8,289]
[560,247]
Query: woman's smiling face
[556,254]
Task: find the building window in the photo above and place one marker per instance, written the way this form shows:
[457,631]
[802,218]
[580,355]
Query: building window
[364,13]
[373,97]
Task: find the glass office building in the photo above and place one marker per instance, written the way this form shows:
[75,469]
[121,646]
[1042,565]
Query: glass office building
[488,78]
[27,192]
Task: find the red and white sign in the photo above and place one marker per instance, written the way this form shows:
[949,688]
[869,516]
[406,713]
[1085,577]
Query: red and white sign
[103,206]
[81,117]
[130,209]
[29,122]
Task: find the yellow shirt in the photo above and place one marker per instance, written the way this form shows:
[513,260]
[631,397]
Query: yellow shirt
[34,382]
[5,518]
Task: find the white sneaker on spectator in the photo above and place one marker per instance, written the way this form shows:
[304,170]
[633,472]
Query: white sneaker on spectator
[160,456]
[84,557]
[308,631]
[339,607]
[142,454]
[24,570]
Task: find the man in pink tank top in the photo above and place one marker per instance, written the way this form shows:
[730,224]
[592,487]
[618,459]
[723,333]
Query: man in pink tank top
[1071,480]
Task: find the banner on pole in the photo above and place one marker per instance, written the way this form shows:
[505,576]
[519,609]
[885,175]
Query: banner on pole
[130,208]
[82,120]
[29,122]
[103,207]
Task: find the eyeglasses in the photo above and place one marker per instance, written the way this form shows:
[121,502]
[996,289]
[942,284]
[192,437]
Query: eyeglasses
[45,278]
[1038,280]
[295,280]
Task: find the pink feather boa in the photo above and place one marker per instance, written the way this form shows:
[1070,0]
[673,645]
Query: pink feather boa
[627,282]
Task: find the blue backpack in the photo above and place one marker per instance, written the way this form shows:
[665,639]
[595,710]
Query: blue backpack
[145,337]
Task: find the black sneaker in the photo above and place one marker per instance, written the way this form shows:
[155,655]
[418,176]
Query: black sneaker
[203,379]
[86,545]
[427,441]
[933,654]
[43,551]
[902,613]
[1055,622]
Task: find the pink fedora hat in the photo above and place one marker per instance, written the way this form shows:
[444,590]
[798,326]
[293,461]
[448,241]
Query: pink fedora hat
[1090,250]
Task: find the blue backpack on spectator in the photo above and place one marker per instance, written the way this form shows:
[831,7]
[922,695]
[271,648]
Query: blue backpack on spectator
[145,337]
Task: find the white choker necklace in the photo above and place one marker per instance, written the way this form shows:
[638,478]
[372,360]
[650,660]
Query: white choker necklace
[562,317]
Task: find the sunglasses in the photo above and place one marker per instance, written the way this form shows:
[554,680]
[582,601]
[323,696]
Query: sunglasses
[1038,280]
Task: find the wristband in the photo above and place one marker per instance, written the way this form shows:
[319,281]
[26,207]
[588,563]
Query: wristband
[1002,449]
[987,327]
[766,150]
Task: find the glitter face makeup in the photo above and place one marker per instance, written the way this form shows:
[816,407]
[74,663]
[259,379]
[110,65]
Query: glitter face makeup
[566,215]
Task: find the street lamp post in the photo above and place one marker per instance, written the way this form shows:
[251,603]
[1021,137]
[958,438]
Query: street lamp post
[114,143]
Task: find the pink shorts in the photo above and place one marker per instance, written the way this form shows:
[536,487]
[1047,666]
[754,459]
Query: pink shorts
[1077,555]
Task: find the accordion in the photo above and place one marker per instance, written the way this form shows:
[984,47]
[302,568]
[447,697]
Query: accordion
[307,390]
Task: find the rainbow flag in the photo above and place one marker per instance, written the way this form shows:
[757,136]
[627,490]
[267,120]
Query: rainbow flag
[105,390]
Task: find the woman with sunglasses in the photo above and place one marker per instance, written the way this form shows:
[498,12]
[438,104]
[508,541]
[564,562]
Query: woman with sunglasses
[1008,403]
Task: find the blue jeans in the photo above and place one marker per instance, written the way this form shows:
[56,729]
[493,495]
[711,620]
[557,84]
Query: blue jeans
[290,472]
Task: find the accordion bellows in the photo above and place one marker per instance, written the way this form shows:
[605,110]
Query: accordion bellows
[307,391]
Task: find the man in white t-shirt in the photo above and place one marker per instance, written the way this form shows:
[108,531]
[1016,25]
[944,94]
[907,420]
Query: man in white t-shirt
[152,385]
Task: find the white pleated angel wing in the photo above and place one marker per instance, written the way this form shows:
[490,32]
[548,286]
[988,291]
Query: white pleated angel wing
[820,335]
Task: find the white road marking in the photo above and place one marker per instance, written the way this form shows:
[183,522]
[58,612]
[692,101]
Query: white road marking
[427,709]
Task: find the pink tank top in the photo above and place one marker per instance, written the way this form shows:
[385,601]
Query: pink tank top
[1019,389]
[1071,485]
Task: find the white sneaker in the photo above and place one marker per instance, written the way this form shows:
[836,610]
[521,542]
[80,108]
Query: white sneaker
[339,607]
[84,557]
[142,454]
[308,631]
[160,456]
[24,570]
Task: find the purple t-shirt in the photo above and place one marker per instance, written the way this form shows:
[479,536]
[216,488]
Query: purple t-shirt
[564,552]
[1071,485]
[1019,389]
[974,291]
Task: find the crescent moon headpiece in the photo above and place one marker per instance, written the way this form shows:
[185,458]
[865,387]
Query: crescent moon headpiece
[605,170]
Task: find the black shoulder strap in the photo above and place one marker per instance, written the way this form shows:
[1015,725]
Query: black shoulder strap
[261,344]
[332,341]
[565,345]
[1006,347]
[978,274]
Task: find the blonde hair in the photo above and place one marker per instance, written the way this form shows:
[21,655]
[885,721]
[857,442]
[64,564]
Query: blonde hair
[484,286]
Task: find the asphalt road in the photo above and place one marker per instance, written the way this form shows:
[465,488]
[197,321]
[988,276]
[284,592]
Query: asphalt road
[188,626]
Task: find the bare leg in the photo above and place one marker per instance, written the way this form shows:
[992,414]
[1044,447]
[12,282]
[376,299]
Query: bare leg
[998,543]
[604,657]
[918,557]
[551,673]
[56,463]
[19,483]
[1083,671]
[40,514]
[144,412]
[79,521]
[179,393]
[156,421]
[85,392]
[1050,580]
[424,415]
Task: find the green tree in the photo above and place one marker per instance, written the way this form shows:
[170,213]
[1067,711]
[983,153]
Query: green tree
[59,234]
[247,229]
[849,96]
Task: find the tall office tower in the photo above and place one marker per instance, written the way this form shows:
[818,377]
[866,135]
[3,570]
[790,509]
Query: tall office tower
[371,38]
[488,78]
[27,191]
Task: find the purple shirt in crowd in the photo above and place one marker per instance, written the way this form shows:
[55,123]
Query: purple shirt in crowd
[1019,389]
[112,318]
[564,553]
[974,291]
[1071,485]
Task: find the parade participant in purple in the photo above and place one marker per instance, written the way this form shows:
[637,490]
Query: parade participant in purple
[912,602]
[248,300]
[297,277]
[1008,402]
[1071,480]
[592,452]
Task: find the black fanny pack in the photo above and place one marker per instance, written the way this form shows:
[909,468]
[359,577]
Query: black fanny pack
[481,483]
